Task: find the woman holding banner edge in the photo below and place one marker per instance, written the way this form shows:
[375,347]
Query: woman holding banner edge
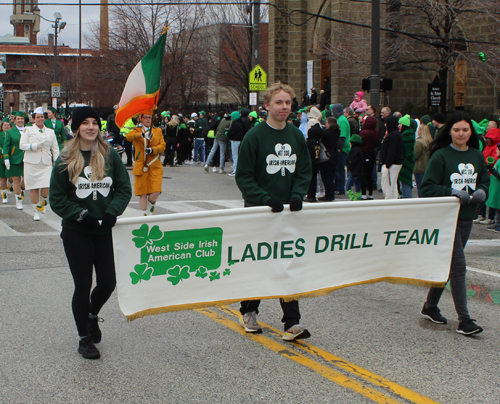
[457,168]
[89,188]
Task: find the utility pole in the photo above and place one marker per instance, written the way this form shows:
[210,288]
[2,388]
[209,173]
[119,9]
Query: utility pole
[375,59]
[256,33]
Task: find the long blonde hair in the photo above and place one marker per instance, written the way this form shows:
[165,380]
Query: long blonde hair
[425,134]
[72,158]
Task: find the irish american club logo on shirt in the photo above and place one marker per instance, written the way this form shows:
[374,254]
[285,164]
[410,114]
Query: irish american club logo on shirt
[84,187]
[466,177]
[282,160]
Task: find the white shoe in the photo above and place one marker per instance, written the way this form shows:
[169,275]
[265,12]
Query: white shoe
[214,169]
[487,221]
[5,199]
[19,202]
[479,219]
[206,168]
[36,216]
[221,171]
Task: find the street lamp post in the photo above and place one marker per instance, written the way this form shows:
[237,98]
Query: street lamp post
[58,26]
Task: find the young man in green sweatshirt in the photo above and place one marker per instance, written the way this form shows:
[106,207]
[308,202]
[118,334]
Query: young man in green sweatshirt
[274,168]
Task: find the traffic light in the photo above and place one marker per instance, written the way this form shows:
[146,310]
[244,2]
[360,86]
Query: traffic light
[366,85]
[385,84]
[482,57]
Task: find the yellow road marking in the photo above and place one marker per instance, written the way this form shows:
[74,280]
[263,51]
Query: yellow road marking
[343,364]
[324,371]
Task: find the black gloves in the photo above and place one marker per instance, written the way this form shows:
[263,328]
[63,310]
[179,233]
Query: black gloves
[275,204]
[108,221]
[90,221]
[295,204]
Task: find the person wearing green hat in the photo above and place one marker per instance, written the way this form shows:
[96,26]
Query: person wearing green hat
[57,126]
[13,157]
[407,127]
[6,125]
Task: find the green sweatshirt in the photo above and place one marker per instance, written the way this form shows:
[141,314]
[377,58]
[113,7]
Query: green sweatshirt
[273,163]
[450,169]
[345,131]
[110,195]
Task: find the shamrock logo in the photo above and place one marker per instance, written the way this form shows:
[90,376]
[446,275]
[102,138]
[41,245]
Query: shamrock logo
[201,272]
[84,187]
[214,275]
[465,177]
[178,274]
[283,160]
[226,272]
[144,236]
[142,272]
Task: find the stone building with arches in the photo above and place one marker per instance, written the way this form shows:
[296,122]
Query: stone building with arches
[300,41]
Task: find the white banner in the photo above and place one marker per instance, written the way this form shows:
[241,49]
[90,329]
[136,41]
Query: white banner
[189,260]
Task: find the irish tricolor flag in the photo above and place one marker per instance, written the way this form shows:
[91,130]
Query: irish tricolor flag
[140,94]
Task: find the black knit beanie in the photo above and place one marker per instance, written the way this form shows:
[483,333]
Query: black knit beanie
[82,113]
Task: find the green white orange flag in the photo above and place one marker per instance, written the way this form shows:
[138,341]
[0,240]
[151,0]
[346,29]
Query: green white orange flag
[140,94]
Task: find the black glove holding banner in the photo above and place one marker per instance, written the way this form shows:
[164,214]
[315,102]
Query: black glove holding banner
[295,204]
[275,204]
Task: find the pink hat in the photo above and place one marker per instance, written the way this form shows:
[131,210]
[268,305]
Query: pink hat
[360,95]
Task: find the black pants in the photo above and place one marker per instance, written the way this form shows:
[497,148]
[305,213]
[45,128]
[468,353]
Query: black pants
[367,177]
[170,151]
[327,171]
[84,253]
[311,193]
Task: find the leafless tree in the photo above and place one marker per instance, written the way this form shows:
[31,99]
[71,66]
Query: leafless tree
[430,35]
[134,30]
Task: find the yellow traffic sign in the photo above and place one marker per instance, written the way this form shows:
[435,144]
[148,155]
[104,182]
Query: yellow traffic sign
[257,79]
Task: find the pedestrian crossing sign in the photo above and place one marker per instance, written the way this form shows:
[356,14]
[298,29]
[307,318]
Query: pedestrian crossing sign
[257,79]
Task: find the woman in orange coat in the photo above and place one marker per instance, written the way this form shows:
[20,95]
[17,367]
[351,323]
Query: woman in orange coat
[148,170]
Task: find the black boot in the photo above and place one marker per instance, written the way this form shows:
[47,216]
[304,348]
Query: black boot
[95,332]
[87,349]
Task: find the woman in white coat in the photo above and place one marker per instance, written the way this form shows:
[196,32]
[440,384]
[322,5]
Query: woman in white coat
[41,151]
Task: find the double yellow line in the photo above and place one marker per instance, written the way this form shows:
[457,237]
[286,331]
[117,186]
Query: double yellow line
[324,371]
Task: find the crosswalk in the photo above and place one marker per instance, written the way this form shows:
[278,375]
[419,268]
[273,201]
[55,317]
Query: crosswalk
[15,222]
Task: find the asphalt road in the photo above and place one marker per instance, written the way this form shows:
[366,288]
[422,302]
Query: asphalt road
[368,344]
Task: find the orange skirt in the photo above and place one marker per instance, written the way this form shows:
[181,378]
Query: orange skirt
[148,182]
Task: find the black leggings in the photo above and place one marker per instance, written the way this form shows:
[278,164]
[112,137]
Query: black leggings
[366,179]
[85,252]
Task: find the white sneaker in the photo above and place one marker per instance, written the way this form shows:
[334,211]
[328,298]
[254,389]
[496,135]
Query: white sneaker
[221,171]
[249,322]
[214,169]
[479,219]
[296,332]
[206,168]
[36,216]
[19,202]
[487,221]
[232,174]
[5,198]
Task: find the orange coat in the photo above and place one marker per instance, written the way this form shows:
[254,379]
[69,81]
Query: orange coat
[150,181]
